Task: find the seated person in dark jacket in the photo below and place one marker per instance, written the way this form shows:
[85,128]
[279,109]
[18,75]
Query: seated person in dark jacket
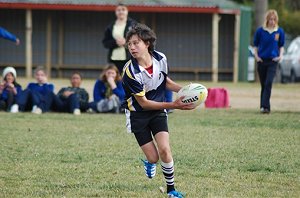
[72,99]
[108,91]
[9,89]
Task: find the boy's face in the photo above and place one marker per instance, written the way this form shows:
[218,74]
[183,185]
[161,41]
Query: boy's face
[40,76]
[137,47]
[75,80]
[9,78]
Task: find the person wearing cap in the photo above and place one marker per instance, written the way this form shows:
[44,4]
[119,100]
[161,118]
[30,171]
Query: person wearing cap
[9,89]
[9,36]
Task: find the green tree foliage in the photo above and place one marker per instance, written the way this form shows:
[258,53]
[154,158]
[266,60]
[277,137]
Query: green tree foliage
[289,15]
[288,11]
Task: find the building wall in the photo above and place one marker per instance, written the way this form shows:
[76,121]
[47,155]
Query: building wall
[184,38]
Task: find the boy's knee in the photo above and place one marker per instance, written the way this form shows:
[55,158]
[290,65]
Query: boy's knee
[153,159]
[165,152]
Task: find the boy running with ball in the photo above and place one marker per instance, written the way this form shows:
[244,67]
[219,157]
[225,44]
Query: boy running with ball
[145,79]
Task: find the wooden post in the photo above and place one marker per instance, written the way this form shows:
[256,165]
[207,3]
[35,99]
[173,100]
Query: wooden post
[60,45]
[215,46]
[49,45]
[28,47]
[236,48]
[260,8]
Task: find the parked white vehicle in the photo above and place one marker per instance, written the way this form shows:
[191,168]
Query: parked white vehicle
[289,66]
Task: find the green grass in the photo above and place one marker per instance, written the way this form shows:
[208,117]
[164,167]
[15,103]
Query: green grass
[217,153]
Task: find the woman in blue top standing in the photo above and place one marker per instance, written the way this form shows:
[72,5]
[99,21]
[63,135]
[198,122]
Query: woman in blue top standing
[268,48]
[108,91]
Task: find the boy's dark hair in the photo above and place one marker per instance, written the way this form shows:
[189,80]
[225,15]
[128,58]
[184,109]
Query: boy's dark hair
[145,33]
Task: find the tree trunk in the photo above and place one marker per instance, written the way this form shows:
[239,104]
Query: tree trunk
[261,7]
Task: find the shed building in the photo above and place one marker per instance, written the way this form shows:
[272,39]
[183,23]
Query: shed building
[203,39]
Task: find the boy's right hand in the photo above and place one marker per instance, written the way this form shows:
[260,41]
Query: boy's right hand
[183,106]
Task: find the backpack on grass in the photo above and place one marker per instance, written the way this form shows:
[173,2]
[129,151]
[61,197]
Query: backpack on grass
[217,98]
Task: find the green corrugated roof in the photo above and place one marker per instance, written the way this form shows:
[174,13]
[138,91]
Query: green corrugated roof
[223,4]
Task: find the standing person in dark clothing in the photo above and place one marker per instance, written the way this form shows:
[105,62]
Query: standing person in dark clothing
[268,51]
[114,37]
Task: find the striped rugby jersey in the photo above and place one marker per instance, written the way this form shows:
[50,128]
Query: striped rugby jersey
[137,81]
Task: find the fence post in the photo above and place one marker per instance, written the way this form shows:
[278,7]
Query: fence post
[215,46]
[28,47]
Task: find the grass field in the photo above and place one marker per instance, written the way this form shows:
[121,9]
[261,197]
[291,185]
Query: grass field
[218,153]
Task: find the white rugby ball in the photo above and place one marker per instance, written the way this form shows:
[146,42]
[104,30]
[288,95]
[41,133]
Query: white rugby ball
[193,93]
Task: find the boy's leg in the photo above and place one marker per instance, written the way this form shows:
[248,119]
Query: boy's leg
[145,141]
[138,124]
[150,152]
[167,164]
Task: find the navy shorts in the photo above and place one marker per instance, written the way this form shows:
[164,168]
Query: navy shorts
[146,124]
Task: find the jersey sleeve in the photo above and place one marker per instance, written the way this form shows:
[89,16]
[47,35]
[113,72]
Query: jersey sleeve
[132,84]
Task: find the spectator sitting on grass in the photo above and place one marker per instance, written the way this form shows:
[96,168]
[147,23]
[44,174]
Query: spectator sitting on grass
[38,97]
[108,91]
[72,99]
[9,89]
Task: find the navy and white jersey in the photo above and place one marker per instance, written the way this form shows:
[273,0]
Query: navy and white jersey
[137,81]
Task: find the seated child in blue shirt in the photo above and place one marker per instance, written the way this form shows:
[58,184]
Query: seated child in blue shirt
[39,96]
[108,91]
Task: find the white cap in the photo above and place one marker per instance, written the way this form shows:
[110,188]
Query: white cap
[9,70]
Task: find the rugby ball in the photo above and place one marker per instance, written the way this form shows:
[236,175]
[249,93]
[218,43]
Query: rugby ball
[193,93]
